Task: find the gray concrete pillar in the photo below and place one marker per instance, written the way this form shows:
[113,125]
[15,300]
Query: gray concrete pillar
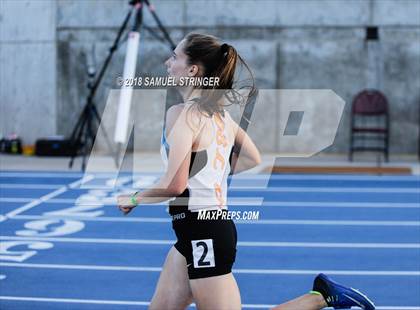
[28,68]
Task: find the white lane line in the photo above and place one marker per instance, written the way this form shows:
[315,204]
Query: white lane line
[54,186]
[97,219]
[317,204]
[17,200]
[332,223]
[35,202]
[397,308]
[247,203]
[30,186]
[242,271]
[300,177]
[292,189]
[329,272]
[240,243]
[76,301]
[267,306]
[331,245]
[257,222]
[146,303]
[82,267]
[98,175]
[392,190]
[245,176]
[47,197]
[41,175]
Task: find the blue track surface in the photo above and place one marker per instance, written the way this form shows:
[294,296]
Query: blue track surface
[65,245]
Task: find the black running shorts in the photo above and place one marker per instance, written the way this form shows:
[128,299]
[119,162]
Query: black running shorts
[209,246]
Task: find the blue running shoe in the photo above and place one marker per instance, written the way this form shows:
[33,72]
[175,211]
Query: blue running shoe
[340,296]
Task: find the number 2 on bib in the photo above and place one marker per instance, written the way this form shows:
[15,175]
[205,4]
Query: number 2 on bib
[203,253]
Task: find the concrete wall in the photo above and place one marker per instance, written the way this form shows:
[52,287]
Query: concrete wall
[28,75]
[288,44]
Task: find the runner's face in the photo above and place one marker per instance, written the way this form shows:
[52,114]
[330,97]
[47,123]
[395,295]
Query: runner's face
[177,64]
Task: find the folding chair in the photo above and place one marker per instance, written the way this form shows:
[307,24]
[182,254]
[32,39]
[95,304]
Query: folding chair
[369,123]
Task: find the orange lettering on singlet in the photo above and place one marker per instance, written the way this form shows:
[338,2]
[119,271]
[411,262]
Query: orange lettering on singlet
[219,158]
[221,139]
[220,136]
[221,142]
[219,196]
[219,122]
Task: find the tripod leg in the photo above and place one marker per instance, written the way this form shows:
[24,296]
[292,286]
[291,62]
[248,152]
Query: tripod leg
[76,134]
[89,136]
[77,142]
[78,124]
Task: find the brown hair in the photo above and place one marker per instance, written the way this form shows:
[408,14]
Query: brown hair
[216,60]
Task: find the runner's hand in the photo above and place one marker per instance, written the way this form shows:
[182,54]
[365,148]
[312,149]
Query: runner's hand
[125,204]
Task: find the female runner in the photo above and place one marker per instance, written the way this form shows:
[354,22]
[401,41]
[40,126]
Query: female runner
[196,147]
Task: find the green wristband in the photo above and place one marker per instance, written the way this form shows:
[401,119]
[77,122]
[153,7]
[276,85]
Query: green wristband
[133,200]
